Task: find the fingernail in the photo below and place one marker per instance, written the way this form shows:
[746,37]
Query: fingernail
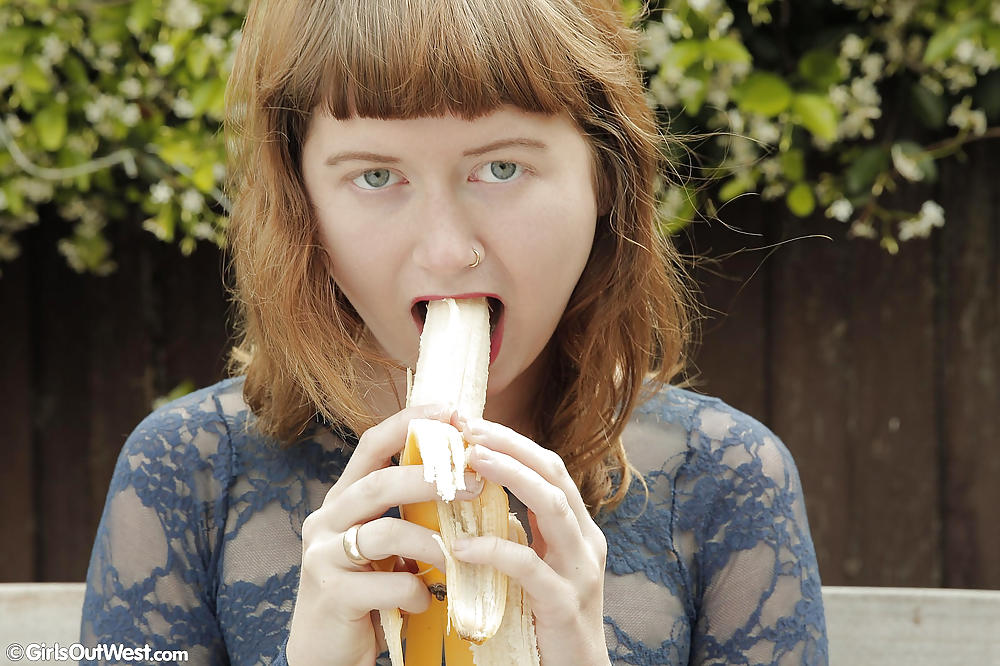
[473,483]
[461,545]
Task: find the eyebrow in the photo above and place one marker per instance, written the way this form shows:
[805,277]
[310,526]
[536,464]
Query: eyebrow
[534,144]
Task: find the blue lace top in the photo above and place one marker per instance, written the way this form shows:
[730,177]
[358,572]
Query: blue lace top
[199,545]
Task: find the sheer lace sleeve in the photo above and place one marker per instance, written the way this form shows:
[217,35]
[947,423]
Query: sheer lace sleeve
[152,579]
[716,565]
[761,597]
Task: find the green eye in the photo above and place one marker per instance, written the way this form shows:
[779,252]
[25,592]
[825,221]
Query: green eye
[503,170]
[376,178]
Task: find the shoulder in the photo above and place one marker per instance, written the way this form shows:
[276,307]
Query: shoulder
[185,439]
[702,435]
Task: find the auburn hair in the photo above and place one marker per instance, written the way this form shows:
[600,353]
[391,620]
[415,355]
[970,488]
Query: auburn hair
[626,328]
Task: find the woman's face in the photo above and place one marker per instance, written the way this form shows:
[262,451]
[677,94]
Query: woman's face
[402,203]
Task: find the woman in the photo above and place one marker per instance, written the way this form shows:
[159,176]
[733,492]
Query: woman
[390,153]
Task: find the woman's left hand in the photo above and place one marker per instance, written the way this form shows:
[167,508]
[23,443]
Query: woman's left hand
[562,571]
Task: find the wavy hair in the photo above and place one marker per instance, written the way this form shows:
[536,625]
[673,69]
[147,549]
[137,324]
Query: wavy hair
[627,325]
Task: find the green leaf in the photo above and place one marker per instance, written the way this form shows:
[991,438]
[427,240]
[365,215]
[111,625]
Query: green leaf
[800,200]
[864,169]
[198,59]
[140,17]
[727,49]
[793,165]
[51,124]
[821,68]
[685,53]
[764,93]
[943,42]
[930,109]
[35,78]
[736,186]
[75,70]
[817,114]
[204,177]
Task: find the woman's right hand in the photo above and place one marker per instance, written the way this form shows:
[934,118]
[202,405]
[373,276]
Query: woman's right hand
[332,622]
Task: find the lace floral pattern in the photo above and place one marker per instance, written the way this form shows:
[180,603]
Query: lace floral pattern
[199,545]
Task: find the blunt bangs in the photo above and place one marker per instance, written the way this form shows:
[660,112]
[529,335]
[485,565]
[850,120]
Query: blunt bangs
[399,59]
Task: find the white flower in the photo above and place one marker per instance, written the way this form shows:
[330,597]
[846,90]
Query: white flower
[160,193]
[841,209]
[965,51]
[14,125]
[214,44]
[765,131]
[183,108]
[699,5]
[931,215]
[872,66]
[163,54]
[37,190]
[111,50]
[724,22]
[907,167]
[97,109]
[655,45]
[131,88]
[203,230]
[865,93]
[131,115]
[53,48]
[192,201]
[852,47]
[183,14]
[773,191]
[862,229]
[964,117]
[840,96]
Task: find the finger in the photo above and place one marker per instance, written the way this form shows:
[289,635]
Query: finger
[548,464]
[386,537]
[544,587]
[376,493]
[365,591]
[554,517]
[381,442]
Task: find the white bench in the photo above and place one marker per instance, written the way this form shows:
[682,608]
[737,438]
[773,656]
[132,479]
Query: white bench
[874,626]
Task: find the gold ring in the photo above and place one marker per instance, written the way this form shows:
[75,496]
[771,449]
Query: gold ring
[351,547]
[478,257]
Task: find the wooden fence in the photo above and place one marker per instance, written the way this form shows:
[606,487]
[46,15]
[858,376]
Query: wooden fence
[881,374]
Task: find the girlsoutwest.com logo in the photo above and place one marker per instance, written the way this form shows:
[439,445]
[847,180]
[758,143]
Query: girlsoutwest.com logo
[115,652]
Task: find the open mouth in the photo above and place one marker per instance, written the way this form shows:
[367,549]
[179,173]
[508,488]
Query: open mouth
[419,314]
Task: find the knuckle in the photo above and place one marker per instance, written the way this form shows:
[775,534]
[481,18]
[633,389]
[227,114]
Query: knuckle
[554,464]
[558,502]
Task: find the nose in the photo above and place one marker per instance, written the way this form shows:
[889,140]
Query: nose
[445,234]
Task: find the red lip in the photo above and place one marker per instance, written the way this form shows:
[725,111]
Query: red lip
[496,335]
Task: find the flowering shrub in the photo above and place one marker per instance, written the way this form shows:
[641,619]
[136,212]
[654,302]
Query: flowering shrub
[111,111]
[827,104]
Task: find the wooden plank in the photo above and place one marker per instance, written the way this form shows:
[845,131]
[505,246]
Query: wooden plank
[192,296]
[731,361]
[17,520]
[120,349]
[854,376]
[874,626]
[970,355]
[63,415]
[809,346]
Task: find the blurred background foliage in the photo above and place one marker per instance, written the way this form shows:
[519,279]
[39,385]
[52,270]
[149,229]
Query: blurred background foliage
[110,111]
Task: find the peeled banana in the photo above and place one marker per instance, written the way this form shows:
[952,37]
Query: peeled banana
[452,368]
